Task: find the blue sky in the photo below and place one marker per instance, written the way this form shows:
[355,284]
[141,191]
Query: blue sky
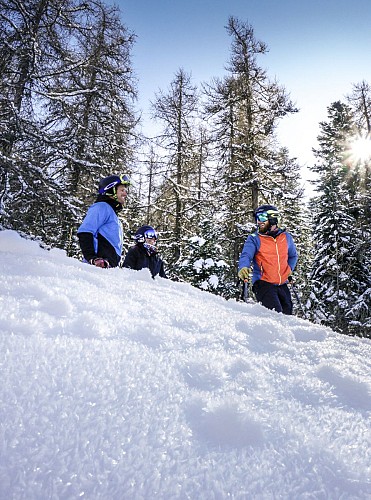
[317,49]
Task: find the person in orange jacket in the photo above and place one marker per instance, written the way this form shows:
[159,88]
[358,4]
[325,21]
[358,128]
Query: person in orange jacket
[272,252]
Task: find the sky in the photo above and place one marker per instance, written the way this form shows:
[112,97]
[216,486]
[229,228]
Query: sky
[117,386]
[318,50]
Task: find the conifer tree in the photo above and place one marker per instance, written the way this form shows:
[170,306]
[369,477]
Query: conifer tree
[338,273]
[90,104]
[177,194]
[244,109]
[65,115]
[28,193]
[204,266]
[360,100]
[359,184]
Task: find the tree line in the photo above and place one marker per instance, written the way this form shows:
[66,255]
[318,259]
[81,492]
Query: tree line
[68,117]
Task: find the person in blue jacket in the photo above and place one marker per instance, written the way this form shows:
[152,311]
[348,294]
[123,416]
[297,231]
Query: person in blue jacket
[273,254]
[144,253]
[100,234]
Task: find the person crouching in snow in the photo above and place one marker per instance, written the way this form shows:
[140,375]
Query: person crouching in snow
[273,254]
[100,234]
[144,253]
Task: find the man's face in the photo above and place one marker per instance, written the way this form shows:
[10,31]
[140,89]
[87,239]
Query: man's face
[121,193]
[263,226]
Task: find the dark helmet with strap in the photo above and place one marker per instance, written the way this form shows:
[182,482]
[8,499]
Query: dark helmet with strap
[268,212]
[109,184]
[145,232]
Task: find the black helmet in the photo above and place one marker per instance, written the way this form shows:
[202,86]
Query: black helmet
[108,184]
[145,232]
[268,212]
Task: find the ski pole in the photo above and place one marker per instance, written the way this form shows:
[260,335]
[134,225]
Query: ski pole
[245,290]
[245,294]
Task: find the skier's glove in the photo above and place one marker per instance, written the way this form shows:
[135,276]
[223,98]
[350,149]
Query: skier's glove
[244,273]
[99,262]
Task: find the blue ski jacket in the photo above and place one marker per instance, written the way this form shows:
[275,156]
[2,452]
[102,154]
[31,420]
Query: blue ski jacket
[274,256]
[100,233]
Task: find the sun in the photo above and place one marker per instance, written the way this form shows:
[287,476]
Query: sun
[360,149]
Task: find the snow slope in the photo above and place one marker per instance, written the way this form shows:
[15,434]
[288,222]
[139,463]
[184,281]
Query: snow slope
[117,386]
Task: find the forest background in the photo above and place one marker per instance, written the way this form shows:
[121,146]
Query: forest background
[68,117]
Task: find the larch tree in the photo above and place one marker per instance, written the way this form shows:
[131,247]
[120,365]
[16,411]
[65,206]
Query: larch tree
[360,100]
[244,109]
[90,104]
[65,117]
[28,194]
[177,196]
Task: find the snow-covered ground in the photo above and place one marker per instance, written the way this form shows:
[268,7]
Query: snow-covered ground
[117,386]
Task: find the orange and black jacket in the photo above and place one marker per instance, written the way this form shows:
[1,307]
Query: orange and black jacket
[273,256]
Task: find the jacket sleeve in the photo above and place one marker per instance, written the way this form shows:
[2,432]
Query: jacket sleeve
[88,230]
[131,259]
[249,249]
[162,273]
[86,241]
[292,252]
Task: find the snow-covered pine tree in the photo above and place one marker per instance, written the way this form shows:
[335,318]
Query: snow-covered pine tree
[89,105]
[203,264]
[29,193]
[336,271]
[359,182]
[359,314]
[65,115]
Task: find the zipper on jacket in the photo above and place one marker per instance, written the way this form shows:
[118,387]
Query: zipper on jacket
[278,261]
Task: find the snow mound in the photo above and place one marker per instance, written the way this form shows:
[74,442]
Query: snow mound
[117,386]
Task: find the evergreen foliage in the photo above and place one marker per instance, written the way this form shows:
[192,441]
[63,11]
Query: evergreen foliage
[244,109]
[65,111]
[177,202]
[204,266]
[341,267]
[67,119]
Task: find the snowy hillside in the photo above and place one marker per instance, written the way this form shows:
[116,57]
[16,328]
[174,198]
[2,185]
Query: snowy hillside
[116,386]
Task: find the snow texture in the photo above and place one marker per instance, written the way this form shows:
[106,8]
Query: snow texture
[117,386]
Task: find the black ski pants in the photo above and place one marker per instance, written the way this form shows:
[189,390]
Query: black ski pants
[277,297]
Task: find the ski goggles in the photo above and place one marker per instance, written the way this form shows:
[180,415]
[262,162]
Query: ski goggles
[150,234]
[125,180]
[119,180]
[264,216]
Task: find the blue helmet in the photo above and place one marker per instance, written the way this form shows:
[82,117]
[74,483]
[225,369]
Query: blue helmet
[108,184]
[268,212]
[145,232]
